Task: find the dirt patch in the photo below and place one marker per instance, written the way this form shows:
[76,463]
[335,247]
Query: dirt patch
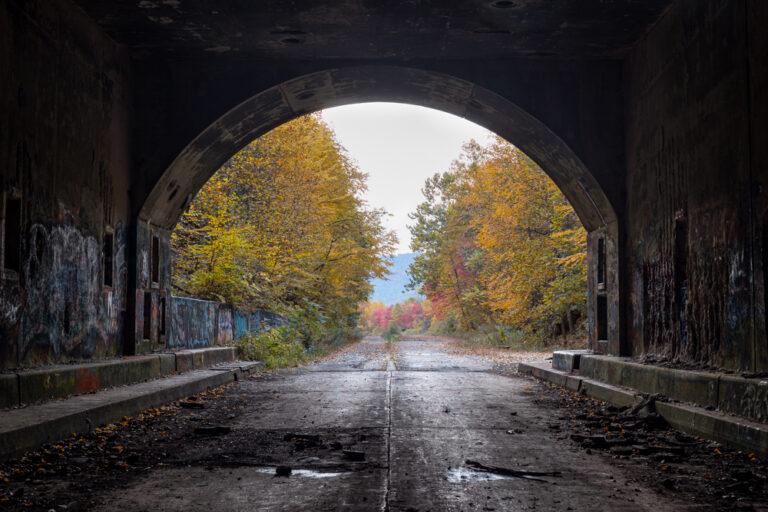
[73,471]
[649,452]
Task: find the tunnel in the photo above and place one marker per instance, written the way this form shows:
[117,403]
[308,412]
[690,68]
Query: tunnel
[648,116]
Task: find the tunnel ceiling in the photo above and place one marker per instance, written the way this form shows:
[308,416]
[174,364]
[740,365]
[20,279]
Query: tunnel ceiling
[367,29]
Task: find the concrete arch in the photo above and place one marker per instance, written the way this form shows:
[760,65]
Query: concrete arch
[309,93]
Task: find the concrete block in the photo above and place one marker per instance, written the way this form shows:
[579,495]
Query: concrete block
[745,397]
[567,360]
[9,390]
[184,361]
[700,388]
[51,383]
[607,393]
[573,383]
[543,371]
[167,363]
[188,360]
[736,433]
[64,380]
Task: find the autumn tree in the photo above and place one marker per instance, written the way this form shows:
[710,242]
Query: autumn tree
[282,227]
[499,244]
[413,315]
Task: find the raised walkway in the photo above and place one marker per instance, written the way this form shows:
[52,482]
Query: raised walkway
[727,408]
[52,403]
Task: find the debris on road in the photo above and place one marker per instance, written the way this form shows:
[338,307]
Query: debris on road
[353,455]
[283,471]
[640,441]
[530,475]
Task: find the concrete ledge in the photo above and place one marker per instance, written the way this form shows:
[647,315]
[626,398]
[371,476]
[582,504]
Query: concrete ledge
[745,397]
[61,381]
[737,433]
[30,427]
[9,390]
[188,360]
[731,431]
[567,360]
[64,380]
[700,388]
[607,393]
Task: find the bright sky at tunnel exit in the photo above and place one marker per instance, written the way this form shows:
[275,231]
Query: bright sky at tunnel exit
[400,146]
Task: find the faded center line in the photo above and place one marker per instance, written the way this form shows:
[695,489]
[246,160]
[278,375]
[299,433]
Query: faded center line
[390,368]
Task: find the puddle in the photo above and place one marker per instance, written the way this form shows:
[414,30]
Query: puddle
[308,473]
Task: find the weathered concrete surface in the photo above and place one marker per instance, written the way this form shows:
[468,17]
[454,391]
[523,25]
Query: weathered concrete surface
[65,155]
[9,390]
[567,360]
[30,427]
[59,381]
[64,380]
[196,359]
[416,429]
[696,175]
[696,387]
[737,432]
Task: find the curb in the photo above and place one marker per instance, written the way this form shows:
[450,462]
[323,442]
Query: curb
[28,428]
[32,386]
[731,431]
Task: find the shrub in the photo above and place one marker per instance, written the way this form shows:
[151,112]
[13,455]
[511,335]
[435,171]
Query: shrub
[277,347]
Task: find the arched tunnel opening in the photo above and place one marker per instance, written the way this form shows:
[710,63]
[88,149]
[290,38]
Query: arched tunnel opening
[650,117]
[284,234]
[221,140]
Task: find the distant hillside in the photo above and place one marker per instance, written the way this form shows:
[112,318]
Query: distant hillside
[392,290]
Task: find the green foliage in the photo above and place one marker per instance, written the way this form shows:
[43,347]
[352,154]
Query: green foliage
[276,348]
[393,332]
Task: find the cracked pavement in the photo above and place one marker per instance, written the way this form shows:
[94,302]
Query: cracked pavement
[415,413]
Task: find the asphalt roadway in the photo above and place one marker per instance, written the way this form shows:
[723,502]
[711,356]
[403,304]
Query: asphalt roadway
[389,428]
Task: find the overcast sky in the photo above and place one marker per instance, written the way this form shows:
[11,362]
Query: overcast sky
[400,146]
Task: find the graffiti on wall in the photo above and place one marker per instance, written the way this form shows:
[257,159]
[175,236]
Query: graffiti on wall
[192,323]
[240,324]
[224,327]
[67,313]
[196,323]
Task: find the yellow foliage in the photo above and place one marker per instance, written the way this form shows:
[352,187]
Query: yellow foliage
[499,243]
[282,223]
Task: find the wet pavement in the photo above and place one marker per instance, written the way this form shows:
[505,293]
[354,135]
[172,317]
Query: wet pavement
[385,427]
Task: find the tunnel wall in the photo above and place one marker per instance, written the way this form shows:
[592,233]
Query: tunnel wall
[64,181]
[696,162]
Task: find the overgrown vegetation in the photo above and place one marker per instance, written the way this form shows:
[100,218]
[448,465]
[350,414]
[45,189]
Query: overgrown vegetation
[282,227]
[501,256]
